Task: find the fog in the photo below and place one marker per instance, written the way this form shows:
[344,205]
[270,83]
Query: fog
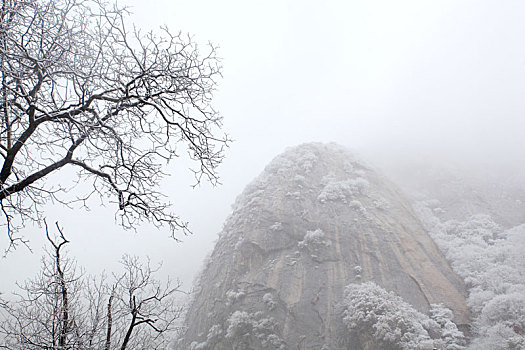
[393,81]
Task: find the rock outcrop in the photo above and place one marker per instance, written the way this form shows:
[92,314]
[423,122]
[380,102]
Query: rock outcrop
[314,221]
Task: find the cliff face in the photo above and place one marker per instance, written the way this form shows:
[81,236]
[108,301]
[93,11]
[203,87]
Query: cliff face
[314,221]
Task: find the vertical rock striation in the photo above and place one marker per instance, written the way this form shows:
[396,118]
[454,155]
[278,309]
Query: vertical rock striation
[314,221]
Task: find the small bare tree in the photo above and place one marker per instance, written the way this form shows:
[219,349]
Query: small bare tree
[62,309]
[79,89]
[145,309]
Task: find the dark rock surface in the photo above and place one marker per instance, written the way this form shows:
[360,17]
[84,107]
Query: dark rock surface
[314,221]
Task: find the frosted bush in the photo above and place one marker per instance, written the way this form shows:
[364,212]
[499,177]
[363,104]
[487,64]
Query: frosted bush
[269,301]
[498,337]
[477,226]
[357,206]
[239,242]
[362,185]
[326,179]
[335,191]
[233,296]
[293,195]
[214,332]
[254,326]
[341,190]
[253,198]
[452,338]
[239,324]
[314,239]
[381,204]
[307,161]
[213,336]
[349,168]
[507,309]
[369,308]
[491,262]
[281,165]
[386,317]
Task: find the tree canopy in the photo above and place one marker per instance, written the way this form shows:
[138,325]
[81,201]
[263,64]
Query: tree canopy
[80,89]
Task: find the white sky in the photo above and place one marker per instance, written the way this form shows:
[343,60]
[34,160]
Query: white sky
[385,78]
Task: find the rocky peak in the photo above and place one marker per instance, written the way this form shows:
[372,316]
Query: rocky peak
[316,220]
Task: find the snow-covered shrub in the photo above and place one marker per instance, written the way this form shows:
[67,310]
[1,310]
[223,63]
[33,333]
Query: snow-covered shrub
[240,324]
[233,296]
[491,262]
[293,195]
[269,301]
[313,240]
[357,206]
[334,191]
[381,204]
[477,226]
[307,161]
[214,334]
[280,166]
[387,318]
[253,327]
[370,308]
[253,198]
[452,338]
[361,185]
[238,244]
[498,337]
[507,309]
[349,167]
[328,178]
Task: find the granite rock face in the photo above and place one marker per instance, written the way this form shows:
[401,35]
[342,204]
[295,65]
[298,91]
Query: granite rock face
[314,221]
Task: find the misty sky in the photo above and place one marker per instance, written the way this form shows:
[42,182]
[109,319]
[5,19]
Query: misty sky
[385,78]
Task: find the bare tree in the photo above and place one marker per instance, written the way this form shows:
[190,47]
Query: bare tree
[63,309]
[149,307]
[48,309]
[80,89]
